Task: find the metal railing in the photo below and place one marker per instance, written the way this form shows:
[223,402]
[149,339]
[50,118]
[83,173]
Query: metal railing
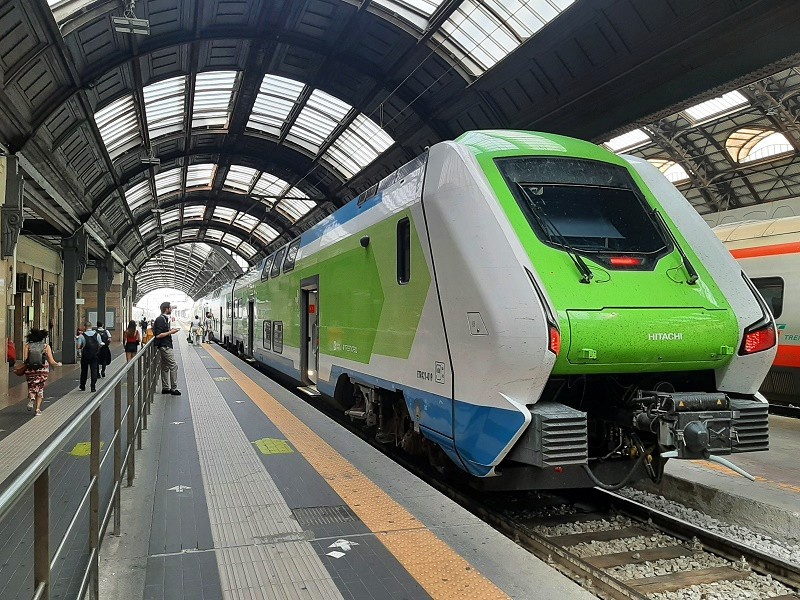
[139,376]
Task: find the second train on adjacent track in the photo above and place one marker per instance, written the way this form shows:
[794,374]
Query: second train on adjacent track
[529,308]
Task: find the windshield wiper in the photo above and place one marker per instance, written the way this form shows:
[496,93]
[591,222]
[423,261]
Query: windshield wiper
[693,276]
[546,223]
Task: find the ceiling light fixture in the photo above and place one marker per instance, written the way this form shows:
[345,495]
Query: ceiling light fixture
[150,159]
[129,23]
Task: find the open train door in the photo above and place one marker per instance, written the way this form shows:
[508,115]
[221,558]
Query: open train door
[309,335]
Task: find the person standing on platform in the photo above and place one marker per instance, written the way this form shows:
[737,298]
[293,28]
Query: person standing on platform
[143,325]
[132,341]
[208,327]
[89,343]
[38,357]
[195,330]
[163,334]
[104,357]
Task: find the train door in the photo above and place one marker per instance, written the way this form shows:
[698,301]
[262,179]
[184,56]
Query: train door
[309,325]
[221,310]
[250,321]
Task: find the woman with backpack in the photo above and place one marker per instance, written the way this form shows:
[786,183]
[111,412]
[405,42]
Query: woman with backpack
[38,357]
[132,341]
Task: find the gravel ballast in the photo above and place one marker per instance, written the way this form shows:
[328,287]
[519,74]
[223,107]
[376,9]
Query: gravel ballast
[788,552]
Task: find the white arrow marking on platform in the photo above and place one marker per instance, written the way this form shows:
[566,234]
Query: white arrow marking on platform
[178,422]
[239,401]
[179,488]
[343,545]
[336,554]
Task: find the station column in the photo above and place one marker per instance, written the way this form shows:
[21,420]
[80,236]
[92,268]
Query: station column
[75,250]
[11,185]
[105,277]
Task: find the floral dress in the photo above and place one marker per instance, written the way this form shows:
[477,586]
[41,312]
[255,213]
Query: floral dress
[38,378]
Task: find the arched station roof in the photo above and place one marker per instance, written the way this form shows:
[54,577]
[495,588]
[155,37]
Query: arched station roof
[265,115]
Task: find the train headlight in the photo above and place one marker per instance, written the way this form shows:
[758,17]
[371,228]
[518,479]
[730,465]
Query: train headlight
[555,339]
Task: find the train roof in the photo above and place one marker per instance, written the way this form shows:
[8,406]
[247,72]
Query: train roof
[512,141]
[758,233]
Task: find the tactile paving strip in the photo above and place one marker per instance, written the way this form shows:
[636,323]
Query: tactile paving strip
[261,550]
[442,572]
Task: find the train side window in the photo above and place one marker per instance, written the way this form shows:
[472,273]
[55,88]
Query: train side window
[267,335]
[403,251]
[228,309]
[276,265]
[771,288]
[277,337]
[291,256]
[267,267]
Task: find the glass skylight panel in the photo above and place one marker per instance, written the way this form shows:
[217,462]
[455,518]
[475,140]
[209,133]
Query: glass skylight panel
[214,234]
[165,106]
[269,185]
[480,33]
[189,233]
[245,221]
[293,209]
[231,240]
[213,92]
[716,107]
[274,102]
[168,182]
[224,214]
[193,212]
[139,195]
[627,141]
[319,117]
[265,233]
[247,249]
[199,175]
[118,127]
[148,226]
[361,143]
[171,237]
[240,178]
[416,12]
[171,216]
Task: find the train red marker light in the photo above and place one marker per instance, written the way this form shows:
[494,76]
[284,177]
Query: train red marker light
[559,469]
[555,340]
[625,261]
[759,340]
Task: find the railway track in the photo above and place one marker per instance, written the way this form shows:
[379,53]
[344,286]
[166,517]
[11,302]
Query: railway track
[613,546]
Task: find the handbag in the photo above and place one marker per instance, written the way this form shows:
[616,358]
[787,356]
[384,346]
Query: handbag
[20,369]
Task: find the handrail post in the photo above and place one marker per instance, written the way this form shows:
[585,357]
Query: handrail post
[41,533]
[140,403]
[94,507]
[131,430]
[146,364]
[117,499]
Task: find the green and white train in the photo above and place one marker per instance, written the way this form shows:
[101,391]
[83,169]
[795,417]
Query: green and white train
[530,308]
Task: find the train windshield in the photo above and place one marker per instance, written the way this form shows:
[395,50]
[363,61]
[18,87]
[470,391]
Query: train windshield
[584,206]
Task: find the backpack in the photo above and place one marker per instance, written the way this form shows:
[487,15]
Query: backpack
[35,360]
[91,346]
[103,336]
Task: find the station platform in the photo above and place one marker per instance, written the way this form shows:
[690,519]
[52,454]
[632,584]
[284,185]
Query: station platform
[243,490]
[769,505]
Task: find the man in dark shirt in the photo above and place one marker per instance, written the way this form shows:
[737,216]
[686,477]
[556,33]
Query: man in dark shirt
[163,340]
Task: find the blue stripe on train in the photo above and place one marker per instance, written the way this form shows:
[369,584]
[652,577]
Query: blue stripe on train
[346,213]
[481,432]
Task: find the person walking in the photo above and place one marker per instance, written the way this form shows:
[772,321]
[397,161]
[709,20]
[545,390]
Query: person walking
[104,357]
[89,343]
[132,341]
[143,325]
[38,357]
[163,334]
[148,335]
[208,328]
[195,330]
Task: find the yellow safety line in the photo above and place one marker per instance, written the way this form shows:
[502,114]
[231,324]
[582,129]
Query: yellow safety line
[441,571]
